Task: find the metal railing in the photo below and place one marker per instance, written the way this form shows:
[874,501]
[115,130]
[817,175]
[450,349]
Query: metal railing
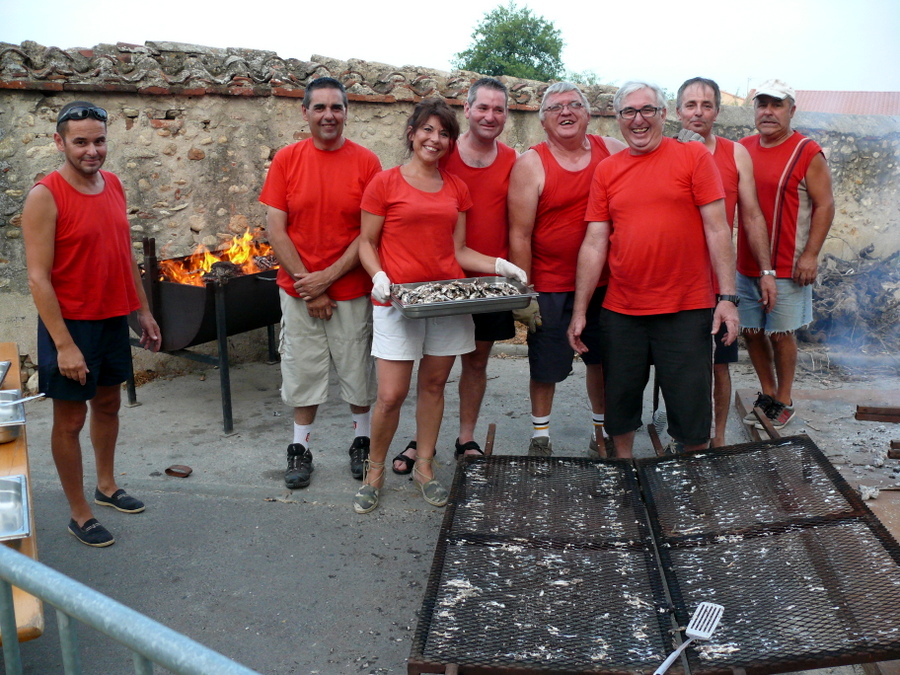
[150,641]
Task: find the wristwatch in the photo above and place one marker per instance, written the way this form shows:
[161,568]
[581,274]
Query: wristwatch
[736,299]
[767,273]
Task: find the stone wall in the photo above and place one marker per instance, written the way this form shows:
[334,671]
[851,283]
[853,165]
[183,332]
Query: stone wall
[192,130]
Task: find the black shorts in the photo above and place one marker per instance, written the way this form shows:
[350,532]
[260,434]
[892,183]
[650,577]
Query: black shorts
[549,352]
[493,326]
[678,345]
[724,353]
[106,350]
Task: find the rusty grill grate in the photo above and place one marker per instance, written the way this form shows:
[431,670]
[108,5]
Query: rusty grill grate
[553,565]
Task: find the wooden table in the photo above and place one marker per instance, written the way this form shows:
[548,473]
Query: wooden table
[14,461]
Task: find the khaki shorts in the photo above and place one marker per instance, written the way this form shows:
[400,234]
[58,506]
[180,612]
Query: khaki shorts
[397,338]
[309,347]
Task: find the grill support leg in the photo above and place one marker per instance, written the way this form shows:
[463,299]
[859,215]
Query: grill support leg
[224,374]
[273,351]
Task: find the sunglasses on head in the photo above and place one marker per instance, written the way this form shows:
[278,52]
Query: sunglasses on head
[82,113]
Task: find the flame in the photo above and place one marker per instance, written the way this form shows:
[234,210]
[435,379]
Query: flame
[239,251]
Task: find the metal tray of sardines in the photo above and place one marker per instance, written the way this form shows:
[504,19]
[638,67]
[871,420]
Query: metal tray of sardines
[472,295]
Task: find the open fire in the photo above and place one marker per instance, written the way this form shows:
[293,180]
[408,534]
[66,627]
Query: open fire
[246,254]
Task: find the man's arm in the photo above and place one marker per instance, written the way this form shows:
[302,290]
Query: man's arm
[526,181]
[818,184]
[150,334]
[591,259]
[614,145]
[721,255]
[754,224]
[39,233]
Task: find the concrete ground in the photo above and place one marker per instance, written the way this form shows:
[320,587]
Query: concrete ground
[281,581]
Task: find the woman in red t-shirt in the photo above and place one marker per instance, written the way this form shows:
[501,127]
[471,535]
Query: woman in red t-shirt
[414,229]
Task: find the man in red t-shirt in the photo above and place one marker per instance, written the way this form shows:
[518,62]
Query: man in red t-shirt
[794,187]
[657,213]
[548,191]
[85,282]
[697,106]
[313,192]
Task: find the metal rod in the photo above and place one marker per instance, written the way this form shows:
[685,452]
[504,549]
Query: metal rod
[142,665]
[68,643]
[224,375]
[162,645]
[273,350]
[8,630]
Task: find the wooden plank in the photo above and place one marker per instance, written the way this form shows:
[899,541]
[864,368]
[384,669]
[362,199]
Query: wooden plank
[489,441]
[654,439]
[882,668]
[14,461]
[873,413]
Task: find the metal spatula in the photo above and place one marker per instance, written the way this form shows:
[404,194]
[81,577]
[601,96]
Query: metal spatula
[701,627]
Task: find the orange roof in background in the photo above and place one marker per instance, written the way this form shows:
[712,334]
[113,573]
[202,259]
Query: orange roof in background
[847,102]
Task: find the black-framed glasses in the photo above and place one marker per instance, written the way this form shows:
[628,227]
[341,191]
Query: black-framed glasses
[574,106]
[82,113]
[647,112]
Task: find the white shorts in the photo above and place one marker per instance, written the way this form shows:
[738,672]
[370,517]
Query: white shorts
[397,338]
[309,347]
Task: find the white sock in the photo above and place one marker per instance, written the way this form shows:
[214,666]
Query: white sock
[362,424]
[302,432]
[540,426]
[598,420]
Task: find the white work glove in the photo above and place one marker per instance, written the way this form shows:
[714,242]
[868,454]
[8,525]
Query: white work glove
[506,269]
[381,287]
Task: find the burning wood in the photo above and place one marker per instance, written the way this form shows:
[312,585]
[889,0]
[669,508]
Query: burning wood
[247,254]
[856,303]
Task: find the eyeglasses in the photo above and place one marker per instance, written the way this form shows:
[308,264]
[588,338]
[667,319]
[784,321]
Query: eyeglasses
[82,113]
[557,108]
[648,112]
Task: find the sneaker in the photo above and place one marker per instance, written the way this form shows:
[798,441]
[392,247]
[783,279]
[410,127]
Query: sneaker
[779,414]
[540,446]
[119,501]
[359,453]
[92,534]
[763,401]
[594,451]
[299,466]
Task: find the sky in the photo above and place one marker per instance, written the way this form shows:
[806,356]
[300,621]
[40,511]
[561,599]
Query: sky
[811,44]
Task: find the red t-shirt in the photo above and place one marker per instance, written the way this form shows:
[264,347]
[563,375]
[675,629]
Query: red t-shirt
[559,223]
[487,224]
[780,174]
[321,191]
[658,259]
[417,235]
[92,271]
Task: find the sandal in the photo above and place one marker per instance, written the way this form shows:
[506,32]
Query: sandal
[407,461]
[463,448]
[366,498]
[432,492]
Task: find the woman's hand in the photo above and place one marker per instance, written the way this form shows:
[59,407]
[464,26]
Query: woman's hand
[506,269]
[381,286]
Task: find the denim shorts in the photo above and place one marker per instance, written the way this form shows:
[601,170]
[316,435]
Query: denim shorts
[792,310]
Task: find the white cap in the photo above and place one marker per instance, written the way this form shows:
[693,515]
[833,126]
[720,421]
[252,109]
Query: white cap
[775,89]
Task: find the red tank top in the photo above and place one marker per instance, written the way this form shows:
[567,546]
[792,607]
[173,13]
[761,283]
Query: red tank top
[92,265]
[559,223]
[724,158]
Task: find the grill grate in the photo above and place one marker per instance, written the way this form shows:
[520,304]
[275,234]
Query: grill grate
[550,565]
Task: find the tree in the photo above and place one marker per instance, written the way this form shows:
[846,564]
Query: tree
[513,41]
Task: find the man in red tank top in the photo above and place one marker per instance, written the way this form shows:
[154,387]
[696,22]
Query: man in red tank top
[795,194]
[548,192]
[85,282]
[697,105]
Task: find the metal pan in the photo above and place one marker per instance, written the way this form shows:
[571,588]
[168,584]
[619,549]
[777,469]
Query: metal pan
[425,310]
